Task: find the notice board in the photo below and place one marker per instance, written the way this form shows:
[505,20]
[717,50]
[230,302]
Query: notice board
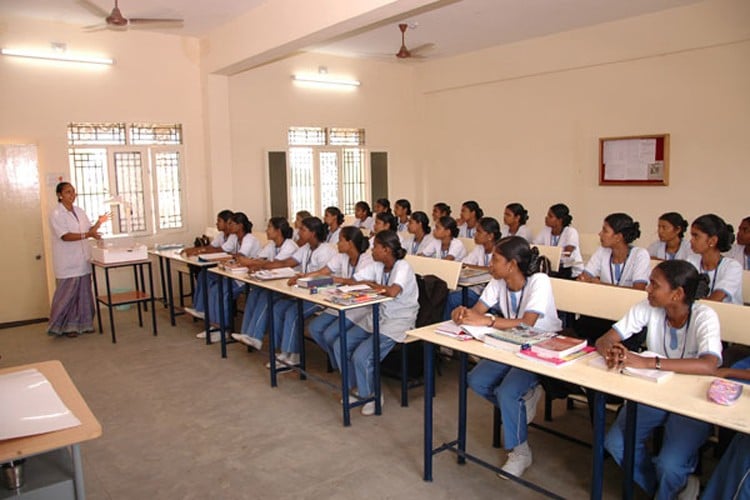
[639,160]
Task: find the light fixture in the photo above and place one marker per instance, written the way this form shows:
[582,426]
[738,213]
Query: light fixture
[323,80]
[58,55]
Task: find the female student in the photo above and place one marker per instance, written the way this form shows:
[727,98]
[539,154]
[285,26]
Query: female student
[440,209]
[298,218]
[312,255]
[685,337]
[352,258]
[709,236]
[470,215]
[278,250]
[486,237]
[514,221]
[363,216]
[419,226]
[246,245]
[740,251]
[557,232]
[382,205]
[402,211]
[446,245]
[333,219]
[393,277]
[383,222]
[672,243]
[524,297]
[224,241]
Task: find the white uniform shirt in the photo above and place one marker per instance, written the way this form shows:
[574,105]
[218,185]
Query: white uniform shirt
[658,250]
[313,260]
[70,258]
[340,266]
[568,237]
[737,252]
[368,224]
[271,252]
[456,249]
[423,246]
[333,237]
[403,226]
[477,257]
[523,232]
[397,315]
[536,296]
[249,246]
[703,334]
[465,232]
[727,277]
[635,269]
[227,244]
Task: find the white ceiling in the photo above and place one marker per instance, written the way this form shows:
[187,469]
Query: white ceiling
[454,28]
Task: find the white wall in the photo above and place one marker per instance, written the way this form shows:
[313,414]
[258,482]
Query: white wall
[156,78]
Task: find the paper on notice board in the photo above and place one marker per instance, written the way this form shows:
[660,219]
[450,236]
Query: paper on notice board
[628,159]
[29,405]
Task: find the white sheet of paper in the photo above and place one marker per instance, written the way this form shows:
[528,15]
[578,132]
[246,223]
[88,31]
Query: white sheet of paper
[29,405]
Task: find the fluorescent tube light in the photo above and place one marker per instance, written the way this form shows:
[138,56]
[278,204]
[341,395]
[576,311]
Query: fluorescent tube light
[51,56]
[323,79]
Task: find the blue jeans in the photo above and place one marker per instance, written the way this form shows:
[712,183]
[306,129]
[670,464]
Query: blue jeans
[665,474]
[504,387]
[360,357]
[198,290]
[255,319]
[731,478]
[286,321]
[232,290]
[325,330]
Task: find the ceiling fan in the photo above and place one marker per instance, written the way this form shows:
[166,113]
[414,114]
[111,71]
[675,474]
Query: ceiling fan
[415,53]
[115,19]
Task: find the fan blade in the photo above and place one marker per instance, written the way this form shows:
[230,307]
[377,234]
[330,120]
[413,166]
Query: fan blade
[95,27]
[146,20]
[416,51]
[93,8]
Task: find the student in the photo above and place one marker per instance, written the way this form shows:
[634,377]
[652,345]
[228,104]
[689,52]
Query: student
[709,236]
[672,243]
[486,237]
[740,251]
[382,205]
[333,219]
[402,211]
[393,277]
[312,255]
[363,217]
[523,295]
[731,477]
[246,245]
[440,209]
[446,245]
[383,222]
[224,241]
[514,221]
[558,232]
[419,226]
[685,336]
[277,253]
[353,257]
[470,215]
[298,218]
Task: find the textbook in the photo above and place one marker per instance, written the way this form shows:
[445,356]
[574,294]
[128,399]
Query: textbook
[514,339]
[345,297]
[644,373]
[274,274]
[559,346]
[474,275]
[315,281]
[531,355]
[235,268]
[210,257]
[451,329]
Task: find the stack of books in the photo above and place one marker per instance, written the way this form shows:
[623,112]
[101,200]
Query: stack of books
[274,274]
[347,296]
[513,339]
[557,351]
[235,268]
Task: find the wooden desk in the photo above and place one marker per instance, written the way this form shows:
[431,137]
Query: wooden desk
[682,394]
[138,297]
[301,294]
[18,448]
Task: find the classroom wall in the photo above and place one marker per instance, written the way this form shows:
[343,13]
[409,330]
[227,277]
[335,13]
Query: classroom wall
[521,122]
[265,102]
[156,78]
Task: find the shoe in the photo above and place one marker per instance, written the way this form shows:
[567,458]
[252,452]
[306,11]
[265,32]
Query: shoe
[691,489]
[352,399]
[291,358]
[369,408]
[215,336]
[201,335]
[195,313]
[281,356]
[531,398]
[518,461]
[248,340]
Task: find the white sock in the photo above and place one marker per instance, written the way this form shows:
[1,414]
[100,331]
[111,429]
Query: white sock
[522,449]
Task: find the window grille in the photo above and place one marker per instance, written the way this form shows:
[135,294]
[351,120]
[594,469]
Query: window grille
[129,183]
[142,133]
[89,176]
[301,180]
[346,136]
[169,190]
[96,133]
[307,136]
[329,179]
[354,178]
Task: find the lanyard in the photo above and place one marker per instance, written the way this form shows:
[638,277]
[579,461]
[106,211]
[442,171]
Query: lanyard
[307,262]
[716,273]
[349,269]
[555,239]
[512,301]
[673,340]
[487,258]
[747,262]
[386,277]
[616,270]
[470,231]
[414,246]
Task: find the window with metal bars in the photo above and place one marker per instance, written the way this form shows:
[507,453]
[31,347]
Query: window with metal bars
[327,167]
[132,171]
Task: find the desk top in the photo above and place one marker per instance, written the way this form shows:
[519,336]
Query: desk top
[683,394]
[124,263]
[178,256]
[12,449]
[280,286]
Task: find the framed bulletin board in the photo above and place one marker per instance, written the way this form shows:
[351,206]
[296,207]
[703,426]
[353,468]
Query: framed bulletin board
[639,160]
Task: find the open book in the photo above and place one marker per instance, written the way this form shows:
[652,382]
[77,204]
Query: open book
[210,257]
[644,373]
[274,274]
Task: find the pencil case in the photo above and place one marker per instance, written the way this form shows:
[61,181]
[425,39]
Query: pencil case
[724,392]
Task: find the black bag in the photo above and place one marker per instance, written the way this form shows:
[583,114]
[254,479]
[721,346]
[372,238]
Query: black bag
[202,241]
